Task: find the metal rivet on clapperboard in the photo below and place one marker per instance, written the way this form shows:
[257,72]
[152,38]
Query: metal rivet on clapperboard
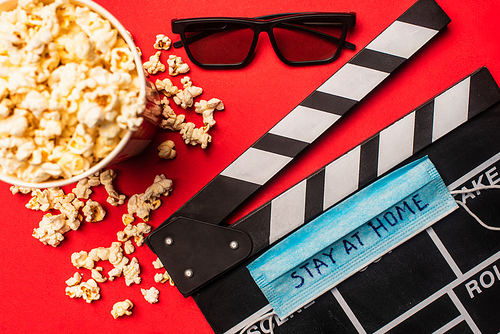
[188,273]
[234,245]
[169,241]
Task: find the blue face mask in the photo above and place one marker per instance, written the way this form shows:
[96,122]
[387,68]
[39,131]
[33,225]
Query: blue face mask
[351,235]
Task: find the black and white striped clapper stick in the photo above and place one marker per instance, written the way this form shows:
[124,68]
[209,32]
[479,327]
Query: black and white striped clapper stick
[366,162]
[278,147]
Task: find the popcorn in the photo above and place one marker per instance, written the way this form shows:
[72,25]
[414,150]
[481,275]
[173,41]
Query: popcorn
[162,42]
[51,229]
[82,260]
[163,278]
[151,294]
[131,272]
[195,136]
[74,280]
[176,66]
[89,291]
[157,263]
[173,122]
[93,211]
[136,232]
[154,65]
[166,150]
[122,308]
[166,87]
[184,98]
[128,247]
[142,204]
[206,109]
[97,276]
[106,178]
[69,90]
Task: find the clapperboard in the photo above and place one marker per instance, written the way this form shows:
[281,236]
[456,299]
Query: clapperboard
[219,280]
[444,279]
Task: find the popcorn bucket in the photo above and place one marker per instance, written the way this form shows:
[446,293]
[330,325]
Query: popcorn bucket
[133,142]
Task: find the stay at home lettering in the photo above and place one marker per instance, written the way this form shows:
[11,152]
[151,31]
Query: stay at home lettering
[380,226]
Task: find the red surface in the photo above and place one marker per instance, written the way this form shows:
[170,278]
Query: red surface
[32,275]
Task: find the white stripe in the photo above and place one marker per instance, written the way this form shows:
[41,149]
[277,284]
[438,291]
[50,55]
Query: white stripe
[341,177]
[449,325]
[353,81]
[474,172]
[305,124]
[287,211]
[402,39]
[256,166]
[463,312]
[444,252]
[396,143]
[348,311]
[249,320]
[451,109]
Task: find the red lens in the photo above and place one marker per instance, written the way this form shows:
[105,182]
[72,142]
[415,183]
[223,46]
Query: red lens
[305,40]
[219,42]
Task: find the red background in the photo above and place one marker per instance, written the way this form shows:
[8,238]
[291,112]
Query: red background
[32,275]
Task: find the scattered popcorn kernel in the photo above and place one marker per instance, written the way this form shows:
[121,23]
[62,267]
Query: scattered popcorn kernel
[128,247]
[136,232]
[166,87]
[151,294]
[97,275]
[176,66]
[173,122]
[131,272]
[51,229]
[93,211]
[122,308]
[207,108]
[89,291]
[82,260]
[185,97]
[116,257]
[106,179]
[23,190]
[194,136]
[154,65]
[163,278]
[157,263]
[166,150]
[115,272]
[162,42]
[82,189]
[142,204]
[127,218]
[99,254]
[76,279]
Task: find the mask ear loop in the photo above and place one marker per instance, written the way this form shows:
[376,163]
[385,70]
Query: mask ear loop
[463,205]
[267,316]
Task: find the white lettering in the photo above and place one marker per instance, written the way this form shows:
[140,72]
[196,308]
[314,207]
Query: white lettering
[491,174]
[471,286]
[491,279]
[495,269]
[467,195]
[253,330]
[478,184]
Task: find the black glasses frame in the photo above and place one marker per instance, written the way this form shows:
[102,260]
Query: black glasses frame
[266,24]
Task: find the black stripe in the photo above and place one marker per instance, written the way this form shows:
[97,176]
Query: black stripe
[377,60]
[280,145]
[327,102]
[484,91]
[424,120]
[315,193]
[217,199]
[368,164]
[426,13]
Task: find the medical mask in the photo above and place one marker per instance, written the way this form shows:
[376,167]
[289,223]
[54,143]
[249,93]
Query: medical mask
[351,235]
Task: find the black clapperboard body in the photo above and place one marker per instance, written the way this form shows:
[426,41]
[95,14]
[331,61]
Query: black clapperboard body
[422,285]
[446,278]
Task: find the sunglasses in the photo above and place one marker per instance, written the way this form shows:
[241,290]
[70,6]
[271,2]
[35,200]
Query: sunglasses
[297,38]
